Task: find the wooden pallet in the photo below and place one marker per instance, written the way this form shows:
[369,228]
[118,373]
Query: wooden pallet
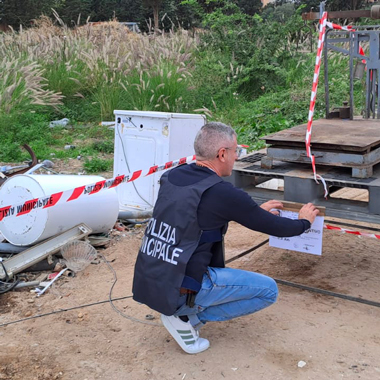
[353,144]
[299,186]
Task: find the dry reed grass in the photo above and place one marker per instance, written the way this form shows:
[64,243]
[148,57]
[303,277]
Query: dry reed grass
[96,56]
[22,85]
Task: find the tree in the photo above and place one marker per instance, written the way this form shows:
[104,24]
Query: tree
[73,8]
[22,12]
[342,5]
[155,5]
[331,5]
[279,13]
[250,7]
[102,10]
[129,10]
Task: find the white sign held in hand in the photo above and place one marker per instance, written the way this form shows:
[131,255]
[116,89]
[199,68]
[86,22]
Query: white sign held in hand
[309,242]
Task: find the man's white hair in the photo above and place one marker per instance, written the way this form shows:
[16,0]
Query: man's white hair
[211,137]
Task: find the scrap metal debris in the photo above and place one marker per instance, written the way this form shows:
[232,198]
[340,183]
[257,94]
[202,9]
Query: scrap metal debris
[9,171]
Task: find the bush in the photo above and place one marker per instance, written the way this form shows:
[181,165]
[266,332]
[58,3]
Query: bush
[27,128]
[97,165]
[103,146]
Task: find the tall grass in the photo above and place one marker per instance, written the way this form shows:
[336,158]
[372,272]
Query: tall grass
[107,65]
[22,85]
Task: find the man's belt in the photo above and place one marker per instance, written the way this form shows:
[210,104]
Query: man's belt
[186,291]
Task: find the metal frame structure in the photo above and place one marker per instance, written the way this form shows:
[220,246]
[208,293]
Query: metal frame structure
[362,35]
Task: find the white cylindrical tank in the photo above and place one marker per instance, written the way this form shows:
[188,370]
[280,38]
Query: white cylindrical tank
[99,211]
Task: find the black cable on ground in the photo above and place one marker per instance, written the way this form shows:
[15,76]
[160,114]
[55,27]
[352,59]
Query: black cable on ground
[308,288]
[327,292]
[248,251]
[62,310]
[7,286]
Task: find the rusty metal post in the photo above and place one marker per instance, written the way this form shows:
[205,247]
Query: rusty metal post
[373,13]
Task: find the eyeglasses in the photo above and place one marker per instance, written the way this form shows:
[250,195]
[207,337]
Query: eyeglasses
[237,150]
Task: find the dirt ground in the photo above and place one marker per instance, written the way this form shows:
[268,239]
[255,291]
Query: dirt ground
[336,338]
[40,339]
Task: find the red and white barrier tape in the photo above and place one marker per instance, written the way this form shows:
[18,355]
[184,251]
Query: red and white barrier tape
[357,233]
[331,25]
[93,188]
[348,28]
[322,32]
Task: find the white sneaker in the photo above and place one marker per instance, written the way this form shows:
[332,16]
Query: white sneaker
[185,334]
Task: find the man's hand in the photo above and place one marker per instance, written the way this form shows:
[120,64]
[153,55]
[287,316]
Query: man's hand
[268,206]
[309,212]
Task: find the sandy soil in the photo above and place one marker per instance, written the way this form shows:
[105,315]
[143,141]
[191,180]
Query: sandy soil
[336,338]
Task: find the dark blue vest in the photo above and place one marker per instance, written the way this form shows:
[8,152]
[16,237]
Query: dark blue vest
[171,237]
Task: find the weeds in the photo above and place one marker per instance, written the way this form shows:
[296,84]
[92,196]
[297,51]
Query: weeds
[96,165]
[103,146]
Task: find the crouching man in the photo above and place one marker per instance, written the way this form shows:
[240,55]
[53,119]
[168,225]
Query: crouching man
[180,269]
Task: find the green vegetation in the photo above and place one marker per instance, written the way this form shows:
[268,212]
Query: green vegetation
[254,72]
[96,165]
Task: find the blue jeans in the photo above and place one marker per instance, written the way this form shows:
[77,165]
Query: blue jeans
[228,293]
